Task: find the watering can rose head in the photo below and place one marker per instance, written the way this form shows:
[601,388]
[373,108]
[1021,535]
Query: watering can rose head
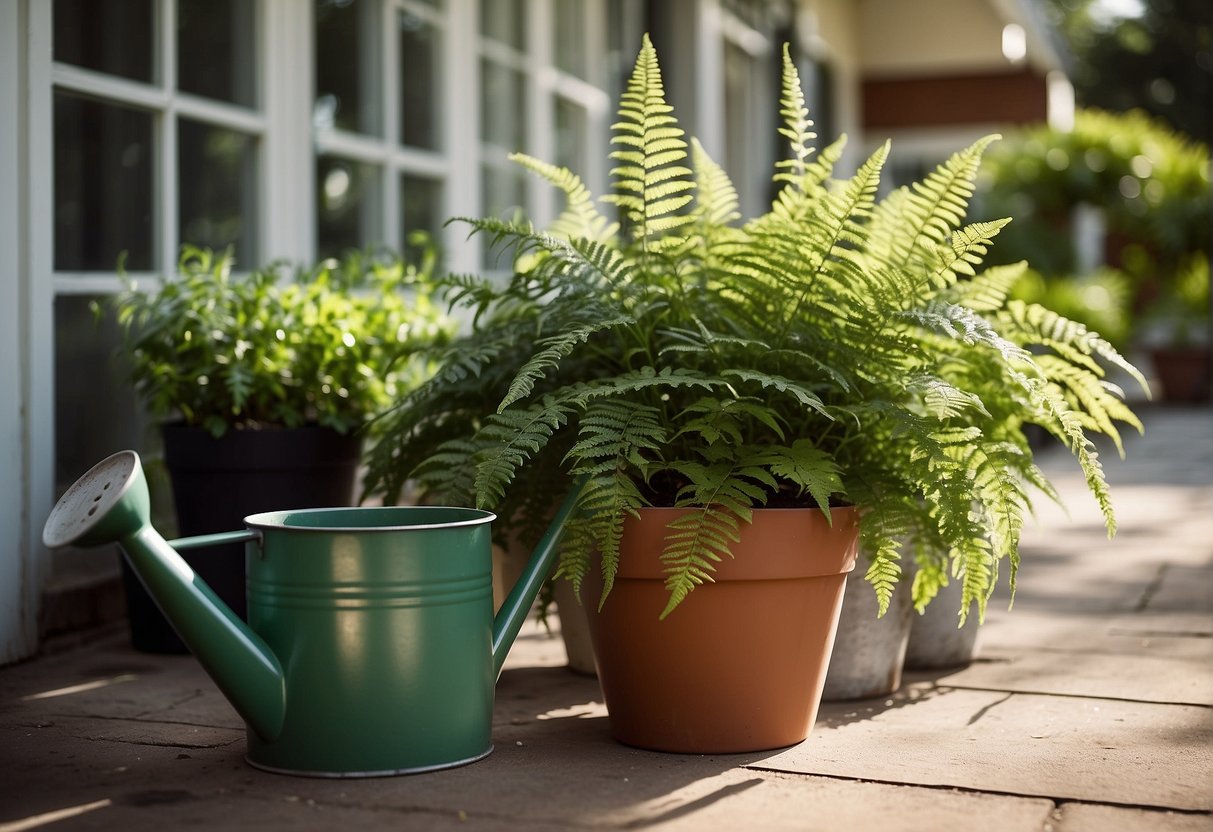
[331,346]
[841,347]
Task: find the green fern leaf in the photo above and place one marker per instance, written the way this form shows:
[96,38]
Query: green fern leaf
[510,439]
[782,385]
[554,349]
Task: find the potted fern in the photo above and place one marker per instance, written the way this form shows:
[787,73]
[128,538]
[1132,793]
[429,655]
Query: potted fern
[263,384]
[737,402]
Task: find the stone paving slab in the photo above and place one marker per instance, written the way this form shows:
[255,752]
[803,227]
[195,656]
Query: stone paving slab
[1079,817]
[1152,678]
[1065,748]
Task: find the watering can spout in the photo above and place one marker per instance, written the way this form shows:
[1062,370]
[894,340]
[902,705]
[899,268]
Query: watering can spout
[110,504]
[513,612]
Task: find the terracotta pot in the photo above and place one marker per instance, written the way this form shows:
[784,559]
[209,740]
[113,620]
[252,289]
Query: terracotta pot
[740,664]
[1183,373]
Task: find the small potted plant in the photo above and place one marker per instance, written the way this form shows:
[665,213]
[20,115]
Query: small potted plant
[263,384]
[737,402]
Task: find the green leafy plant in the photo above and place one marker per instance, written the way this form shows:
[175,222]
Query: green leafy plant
[330,346]
[836,349]
[1150,183]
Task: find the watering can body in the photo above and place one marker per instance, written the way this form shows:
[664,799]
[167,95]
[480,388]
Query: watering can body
[371,646]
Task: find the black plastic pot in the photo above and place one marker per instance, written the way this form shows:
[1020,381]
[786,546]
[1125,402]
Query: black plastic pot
[218,482]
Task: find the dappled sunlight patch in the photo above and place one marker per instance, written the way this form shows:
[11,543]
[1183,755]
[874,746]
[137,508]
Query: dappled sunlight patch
[81,688]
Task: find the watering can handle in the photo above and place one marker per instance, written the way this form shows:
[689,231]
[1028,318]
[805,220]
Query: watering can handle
[203,540]
[513,612]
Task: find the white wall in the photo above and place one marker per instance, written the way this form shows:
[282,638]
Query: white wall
[907,38]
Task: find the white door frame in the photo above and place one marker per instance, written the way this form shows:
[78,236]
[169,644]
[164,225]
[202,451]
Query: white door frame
[25,340]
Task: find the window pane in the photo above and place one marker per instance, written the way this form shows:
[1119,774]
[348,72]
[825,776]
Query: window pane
[502,20]
[569,32]
[218,185]
[419,61]
[348,66]
[502,106]
[111,36]
[96,413]
[503,194]
[571,135]
[103,185]
[347,203]
[421,207]
[215,49]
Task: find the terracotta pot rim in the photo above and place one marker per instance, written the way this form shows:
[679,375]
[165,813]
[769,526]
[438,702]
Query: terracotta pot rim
[817,548]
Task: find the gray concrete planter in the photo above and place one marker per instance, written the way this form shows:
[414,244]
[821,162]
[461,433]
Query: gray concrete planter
[868,651]
[935,640]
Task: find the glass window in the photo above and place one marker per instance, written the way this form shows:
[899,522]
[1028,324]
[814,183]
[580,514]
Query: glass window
[421,206]
[503,191]
[347,205]
[572,135]
[103,169]
[419,122]
[96,412]
[503,21]
[110,36]
[348,66]
[502,106]
[569,36]
[215,49]
[218,172]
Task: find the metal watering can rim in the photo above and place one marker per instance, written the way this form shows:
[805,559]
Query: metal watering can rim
[286,520]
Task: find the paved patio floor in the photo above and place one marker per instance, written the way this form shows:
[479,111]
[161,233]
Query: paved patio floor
[1089,710]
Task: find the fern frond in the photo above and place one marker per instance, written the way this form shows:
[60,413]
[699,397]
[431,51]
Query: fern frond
[715,195]
[964,250]
[1073,341]
[988,291]
[612,442]
[554,348]
[942,399]
[723,420]
[924,214]
[579,218]
[782,385]
[797,126]
[511,438]
[884,571]
[652,182]
[967,326]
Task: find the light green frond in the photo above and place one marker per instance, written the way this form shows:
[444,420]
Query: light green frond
[964,250]
[579,218]
[716,197]
[797,126]
[884,571]
[927,212]
[989,290]
[652,182]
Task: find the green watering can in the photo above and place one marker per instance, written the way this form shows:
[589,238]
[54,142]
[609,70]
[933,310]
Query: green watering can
[371,646]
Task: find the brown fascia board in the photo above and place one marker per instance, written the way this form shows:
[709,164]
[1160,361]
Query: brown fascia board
[1018,97]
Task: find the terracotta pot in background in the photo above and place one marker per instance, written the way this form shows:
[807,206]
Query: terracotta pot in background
[740,664]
